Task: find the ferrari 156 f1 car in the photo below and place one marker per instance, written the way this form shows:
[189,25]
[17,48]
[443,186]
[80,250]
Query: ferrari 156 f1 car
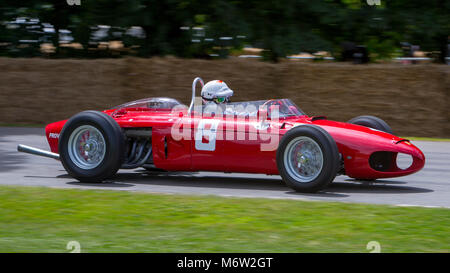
[267,136]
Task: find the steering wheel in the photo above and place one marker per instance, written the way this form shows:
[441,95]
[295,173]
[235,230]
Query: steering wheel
[272,102]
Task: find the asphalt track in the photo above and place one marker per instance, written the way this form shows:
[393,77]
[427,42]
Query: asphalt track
[429,187]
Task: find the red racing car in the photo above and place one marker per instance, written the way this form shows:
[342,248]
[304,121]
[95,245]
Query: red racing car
[267,136]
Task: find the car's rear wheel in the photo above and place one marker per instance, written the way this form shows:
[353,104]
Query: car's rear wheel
[308,158]
[91,146]
[372,122]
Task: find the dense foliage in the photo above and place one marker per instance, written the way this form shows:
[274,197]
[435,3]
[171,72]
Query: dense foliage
[204,28]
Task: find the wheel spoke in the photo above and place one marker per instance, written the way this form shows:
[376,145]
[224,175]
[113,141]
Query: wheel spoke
[303,159]
[86,147]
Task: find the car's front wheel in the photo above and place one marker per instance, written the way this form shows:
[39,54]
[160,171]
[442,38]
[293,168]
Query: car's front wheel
[308,158]
[372,122]
[91,146]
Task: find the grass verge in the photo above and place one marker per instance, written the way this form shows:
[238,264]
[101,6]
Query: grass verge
[427,139]
[36,219]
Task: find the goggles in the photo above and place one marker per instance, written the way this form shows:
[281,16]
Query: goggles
[219,100]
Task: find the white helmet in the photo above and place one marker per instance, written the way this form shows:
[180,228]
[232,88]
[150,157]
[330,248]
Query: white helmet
[216,91]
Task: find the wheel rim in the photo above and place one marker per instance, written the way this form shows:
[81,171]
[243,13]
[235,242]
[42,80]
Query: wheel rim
[303,159]
[86,147]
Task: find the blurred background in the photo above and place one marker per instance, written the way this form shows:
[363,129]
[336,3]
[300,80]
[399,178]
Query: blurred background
[339,58]
[362,30]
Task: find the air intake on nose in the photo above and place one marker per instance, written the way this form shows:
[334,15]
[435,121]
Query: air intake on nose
[382,161]
[404,161]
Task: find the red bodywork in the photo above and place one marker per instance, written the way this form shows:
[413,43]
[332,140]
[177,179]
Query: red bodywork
[356,144]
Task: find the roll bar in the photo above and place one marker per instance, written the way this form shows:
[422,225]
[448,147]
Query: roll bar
[194,85]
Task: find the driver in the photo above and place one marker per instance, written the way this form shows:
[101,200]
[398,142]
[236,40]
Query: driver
[216,92]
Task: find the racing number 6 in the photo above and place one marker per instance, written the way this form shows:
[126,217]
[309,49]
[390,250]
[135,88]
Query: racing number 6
[209,133]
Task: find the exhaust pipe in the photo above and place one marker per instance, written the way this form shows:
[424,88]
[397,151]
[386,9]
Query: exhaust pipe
[36,151]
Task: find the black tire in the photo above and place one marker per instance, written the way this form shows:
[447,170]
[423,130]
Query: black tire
[114,146]
[330,153]
[372,122]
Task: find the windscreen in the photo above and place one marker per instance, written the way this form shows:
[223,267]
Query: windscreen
[145,105]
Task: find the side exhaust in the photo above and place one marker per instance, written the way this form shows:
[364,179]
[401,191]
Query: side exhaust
[36,151]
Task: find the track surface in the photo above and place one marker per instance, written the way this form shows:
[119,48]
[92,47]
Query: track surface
[429,187]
